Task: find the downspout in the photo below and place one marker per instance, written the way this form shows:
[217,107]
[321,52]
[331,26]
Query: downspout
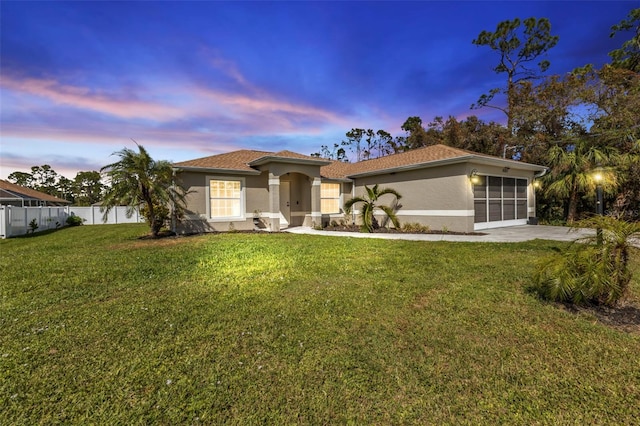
[535,201]
[542,173]
[173,201]
[353,195]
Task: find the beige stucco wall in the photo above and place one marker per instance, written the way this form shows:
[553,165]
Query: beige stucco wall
[439,197]
[196,220]
[281,169]
[257,200]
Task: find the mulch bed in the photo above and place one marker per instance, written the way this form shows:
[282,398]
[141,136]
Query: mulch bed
[356,228]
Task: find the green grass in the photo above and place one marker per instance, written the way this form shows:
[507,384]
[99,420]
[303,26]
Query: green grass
[99,327]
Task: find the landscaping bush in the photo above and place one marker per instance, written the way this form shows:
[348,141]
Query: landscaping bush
[415,228]
[160,218]
[33,225]
[74,220]
[592,270]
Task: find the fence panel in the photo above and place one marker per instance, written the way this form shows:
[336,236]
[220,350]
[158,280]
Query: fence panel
[93,216]
[15,221]
[4,217]
[85,213]
[18,220]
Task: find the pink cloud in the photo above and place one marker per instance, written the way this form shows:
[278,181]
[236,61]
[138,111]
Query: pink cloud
[86,98]
[104,134]
[226,66]
[256,106]
[250,113]
[268,112]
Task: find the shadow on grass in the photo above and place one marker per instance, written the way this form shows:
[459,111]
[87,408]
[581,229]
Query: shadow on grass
[625,317]
[39,233]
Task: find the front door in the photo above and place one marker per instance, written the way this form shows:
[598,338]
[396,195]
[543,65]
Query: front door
[285,204]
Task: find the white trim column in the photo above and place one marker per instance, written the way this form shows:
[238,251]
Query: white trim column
[274,202]
[316,213]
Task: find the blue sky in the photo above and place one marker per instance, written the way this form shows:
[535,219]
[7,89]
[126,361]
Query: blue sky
[80,80]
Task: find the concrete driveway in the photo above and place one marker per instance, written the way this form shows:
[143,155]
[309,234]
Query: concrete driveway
[512,234]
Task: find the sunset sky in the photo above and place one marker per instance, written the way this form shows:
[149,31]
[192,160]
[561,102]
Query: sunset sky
[80,80]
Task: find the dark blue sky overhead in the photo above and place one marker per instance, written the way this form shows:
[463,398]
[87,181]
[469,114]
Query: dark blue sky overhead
[79,80]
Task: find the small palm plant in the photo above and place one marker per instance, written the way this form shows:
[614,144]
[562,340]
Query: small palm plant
[594,269]
[369,221]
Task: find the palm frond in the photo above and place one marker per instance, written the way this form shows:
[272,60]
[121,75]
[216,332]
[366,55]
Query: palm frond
[369,206]
[138,181]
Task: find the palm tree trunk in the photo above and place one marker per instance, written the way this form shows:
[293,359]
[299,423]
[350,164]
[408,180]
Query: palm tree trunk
[573,205]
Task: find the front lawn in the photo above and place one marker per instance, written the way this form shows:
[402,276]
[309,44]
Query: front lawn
[100,327]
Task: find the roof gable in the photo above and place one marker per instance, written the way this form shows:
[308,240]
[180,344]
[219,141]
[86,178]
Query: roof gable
[244,159]
[290,157]
[235,160]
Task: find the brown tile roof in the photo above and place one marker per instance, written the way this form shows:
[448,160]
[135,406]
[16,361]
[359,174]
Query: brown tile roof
[290,154]
[241,160]
[415,157]
[30,193]
[236,160]
[290,157]
[336,170]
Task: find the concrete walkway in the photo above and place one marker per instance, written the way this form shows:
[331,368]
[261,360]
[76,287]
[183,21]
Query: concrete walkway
[512,234]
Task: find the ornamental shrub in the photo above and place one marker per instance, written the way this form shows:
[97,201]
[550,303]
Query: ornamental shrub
[591,270]
[74,220]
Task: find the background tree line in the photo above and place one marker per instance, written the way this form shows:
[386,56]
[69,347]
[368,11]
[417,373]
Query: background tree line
[573,123]
[84,190]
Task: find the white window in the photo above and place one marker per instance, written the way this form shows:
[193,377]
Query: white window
[330,198]
[226,198]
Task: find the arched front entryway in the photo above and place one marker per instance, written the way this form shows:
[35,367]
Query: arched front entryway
[295,199]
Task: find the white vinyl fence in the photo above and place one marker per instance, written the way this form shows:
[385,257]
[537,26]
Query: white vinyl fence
[93,216]
[15,220]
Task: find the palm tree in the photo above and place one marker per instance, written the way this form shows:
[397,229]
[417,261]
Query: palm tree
[138,181]
[572,172]
[369,221]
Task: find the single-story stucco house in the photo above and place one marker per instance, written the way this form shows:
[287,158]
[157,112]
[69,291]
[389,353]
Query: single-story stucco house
[441,187]
[19,196]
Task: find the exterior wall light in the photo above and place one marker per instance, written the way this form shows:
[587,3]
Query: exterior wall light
[537,184]
[474,178]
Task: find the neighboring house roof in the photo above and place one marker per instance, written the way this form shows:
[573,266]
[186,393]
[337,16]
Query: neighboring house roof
[10,190]
[430,156]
